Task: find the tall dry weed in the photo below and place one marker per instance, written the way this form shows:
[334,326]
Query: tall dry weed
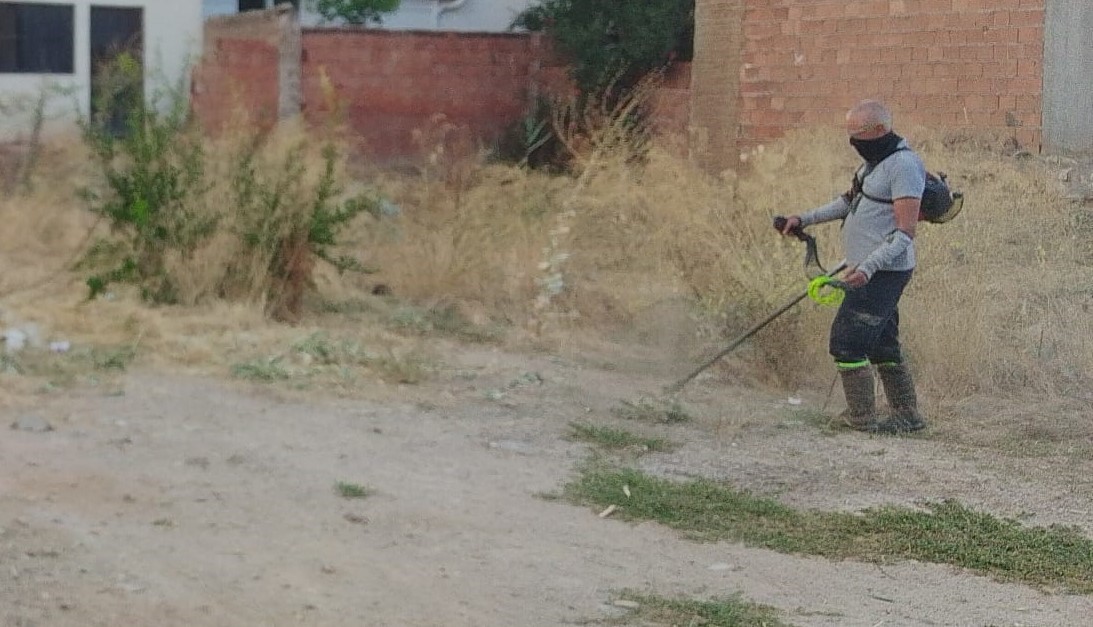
[998,304]
[994,305]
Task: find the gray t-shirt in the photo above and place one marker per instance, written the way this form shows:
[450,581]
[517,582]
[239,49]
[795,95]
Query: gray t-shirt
[901,175]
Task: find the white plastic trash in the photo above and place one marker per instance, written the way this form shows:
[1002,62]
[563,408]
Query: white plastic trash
[14,340]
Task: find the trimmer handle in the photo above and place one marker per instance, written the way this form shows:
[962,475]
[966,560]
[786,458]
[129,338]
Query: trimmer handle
[797,231]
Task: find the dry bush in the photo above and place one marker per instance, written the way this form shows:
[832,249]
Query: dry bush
[53,242]
[998,302]
[245,217]
[46,230]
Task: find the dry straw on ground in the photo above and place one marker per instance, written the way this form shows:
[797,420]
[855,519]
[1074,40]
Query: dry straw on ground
[997,305]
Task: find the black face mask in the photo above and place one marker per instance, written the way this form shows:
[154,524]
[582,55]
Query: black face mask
[876,150]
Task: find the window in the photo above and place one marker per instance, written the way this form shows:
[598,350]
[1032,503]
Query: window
[36,38]
[257,5]
[115,31]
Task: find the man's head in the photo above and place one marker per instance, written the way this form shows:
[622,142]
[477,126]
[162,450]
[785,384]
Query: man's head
[868,119]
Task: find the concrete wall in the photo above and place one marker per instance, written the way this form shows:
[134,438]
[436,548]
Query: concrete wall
[1068,77]
[465,16]
[172,40]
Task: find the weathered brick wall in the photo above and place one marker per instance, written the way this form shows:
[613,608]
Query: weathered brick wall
[389,83]
[671,105]
[240,69]
[386,85]
[715,129]
[952,63]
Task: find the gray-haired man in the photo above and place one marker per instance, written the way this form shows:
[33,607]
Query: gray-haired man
[880,213]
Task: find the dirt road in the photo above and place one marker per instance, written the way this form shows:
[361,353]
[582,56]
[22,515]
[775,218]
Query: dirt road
[190,501]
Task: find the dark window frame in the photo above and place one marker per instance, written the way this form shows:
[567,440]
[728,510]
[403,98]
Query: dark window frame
[18,48]
[242,6]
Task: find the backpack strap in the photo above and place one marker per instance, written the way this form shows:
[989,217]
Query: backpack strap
[858,186]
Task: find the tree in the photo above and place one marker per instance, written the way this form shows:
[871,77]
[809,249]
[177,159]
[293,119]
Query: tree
[354,11]
[614,42]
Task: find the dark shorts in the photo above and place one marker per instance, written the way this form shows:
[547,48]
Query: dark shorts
[867,325]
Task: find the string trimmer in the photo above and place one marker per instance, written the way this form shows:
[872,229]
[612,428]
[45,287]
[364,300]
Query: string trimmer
[821,281]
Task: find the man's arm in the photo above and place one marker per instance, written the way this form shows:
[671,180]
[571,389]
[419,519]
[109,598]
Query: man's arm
[907,214]
[834,210]
[894,245]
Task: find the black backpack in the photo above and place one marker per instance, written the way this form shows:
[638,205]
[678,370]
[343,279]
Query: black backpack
[939,202]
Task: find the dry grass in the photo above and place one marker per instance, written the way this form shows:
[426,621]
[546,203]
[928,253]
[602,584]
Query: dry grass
[994,306]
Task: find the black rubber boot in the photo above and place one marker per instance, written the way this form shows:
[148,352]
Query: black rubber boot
[899,387]
[861,404]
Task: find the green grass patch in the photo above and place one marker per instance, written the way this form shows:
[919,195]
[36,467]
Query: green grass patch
[945,533]
[319,358]
[411,368]
[444,320]
[652,410]
[814,419]
[262,370]
[88,365]
[728,612]
[351,490]
[613,439]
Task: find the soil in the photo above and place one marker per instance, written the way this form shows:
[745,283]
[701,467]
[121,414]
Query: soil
[201,501]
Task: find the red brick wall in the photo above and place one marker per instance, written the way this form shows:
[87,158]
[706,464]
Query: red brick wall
[239,70]
[671,104]
[951,63]
[389,83]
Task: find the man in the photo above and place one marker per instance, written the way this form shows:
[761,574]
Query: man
[880,213]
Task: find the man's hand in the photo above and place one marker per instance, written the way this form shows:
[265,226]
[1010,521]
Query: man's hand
[855,278]
[792,222]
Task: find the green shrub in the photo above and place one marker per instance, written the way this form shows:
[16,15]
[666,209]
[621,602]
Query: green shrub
[276,207]
[532,142]
[290,225]
[612,43]
[354,11]
[153,173]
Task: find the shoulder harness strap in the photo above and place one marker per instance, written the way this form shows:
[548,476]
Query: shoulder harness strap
[858,185]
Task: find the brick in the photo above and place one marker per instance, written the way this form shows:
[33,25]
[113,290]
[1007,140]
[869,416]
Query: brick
[1027,103]
[1001,69]
[1029,139]
[1027,17]
[981,102]
[985,86]
[1029,69]
[1030,34]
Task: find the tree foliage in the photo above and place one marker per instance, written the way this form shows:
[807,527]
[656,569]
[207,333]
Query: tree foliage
[614,42]
[354,11]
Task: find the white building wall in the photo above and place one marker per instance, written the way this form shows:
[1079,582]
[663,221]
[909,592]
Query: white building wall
[456,15]
[469,15]
[172,42]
